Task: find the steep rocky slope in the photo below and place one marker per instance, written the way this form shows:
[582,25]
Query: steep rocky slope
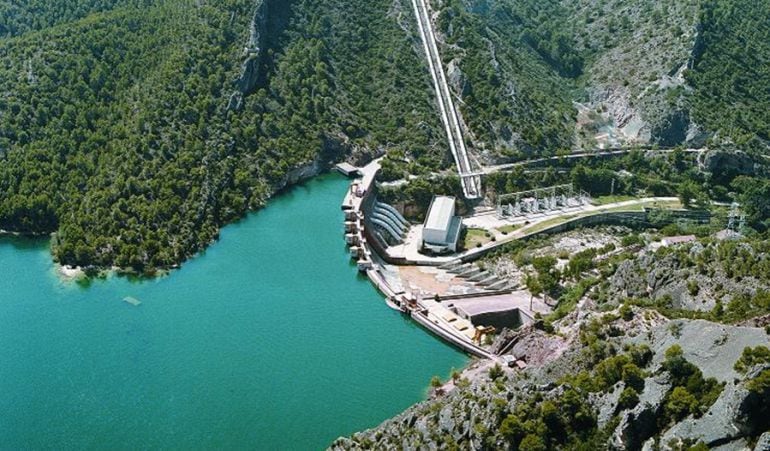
[638,72]
[648,347]
[635,77]
[640,390]
[715,278]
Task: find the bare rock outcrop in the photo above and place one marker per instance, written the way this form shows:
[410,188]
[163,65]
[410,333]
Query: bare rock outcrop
[470,415]
[253,52]
[639,423]
[763,443]
[720,425]
[712,347]
[682,282]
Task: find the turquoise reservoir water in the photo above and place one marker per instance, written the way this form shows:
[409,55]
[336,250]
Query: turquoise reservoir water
[269,340]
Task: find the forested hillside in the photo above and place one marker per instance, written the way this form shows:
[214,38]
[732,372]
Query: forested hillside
[731,74]
[20,16]
[513,101]
[136,128]
[640,72]
[116,130]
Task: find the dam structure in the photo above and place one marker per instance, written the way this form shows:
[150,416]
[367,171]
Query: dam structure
[471,182]
[370,227]
[389,220]
[424,273]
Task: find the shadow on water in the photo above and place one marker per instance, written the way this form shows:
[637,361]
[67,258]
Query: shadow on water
[135,278]
[304,187]
[84,282]
[25,243]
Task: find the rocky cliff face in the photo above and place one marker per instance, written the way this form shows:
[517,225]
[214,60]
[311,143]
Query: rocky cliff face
[475,411]
[617,373]
[683,281]
[253,52]
[622,63]
[636,78]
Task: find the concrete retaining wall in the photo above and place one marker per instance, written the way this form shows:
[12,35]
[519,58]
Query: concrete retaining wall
[464,345]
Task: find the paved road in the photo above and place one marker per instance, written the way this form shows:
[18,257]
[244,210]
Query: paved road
[489,221]
[486,170]
[575,156]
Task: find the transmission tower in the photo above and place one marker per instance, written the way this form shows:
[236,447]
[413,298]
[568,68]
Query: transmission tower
[732,217]
[736,220]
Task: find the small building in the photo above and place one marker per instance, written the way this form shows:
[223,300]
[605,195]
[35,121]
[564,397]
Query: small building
[441,230]
[497,311]
[672,240]
[347,169]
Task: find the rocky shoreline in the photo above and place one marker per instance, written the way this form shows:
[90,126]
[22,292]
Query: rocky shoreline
[470,412]
[646,359]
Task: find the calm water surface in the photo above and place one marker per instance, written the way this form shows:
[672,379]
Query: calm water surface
[269,340]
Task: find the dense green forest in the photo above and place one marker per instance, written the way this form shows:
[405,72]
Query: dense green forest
[731,74]
[115,130]
[123,127]
[20,16]
[512,99]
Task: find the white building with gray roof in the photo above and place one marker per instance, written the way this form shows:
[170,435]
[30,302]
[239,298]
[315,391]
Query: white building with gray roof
[441,230]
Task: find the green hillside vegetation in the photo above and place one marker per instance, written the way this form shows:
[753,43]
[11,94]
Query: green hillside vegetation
[118,130]
[523,63]
[513,101]
[113,134]
[115,131]
[18,17]
[731,74]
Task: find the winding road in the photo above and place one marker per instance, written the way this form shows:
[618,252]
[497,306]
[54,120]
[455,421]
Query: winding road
[577,156]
